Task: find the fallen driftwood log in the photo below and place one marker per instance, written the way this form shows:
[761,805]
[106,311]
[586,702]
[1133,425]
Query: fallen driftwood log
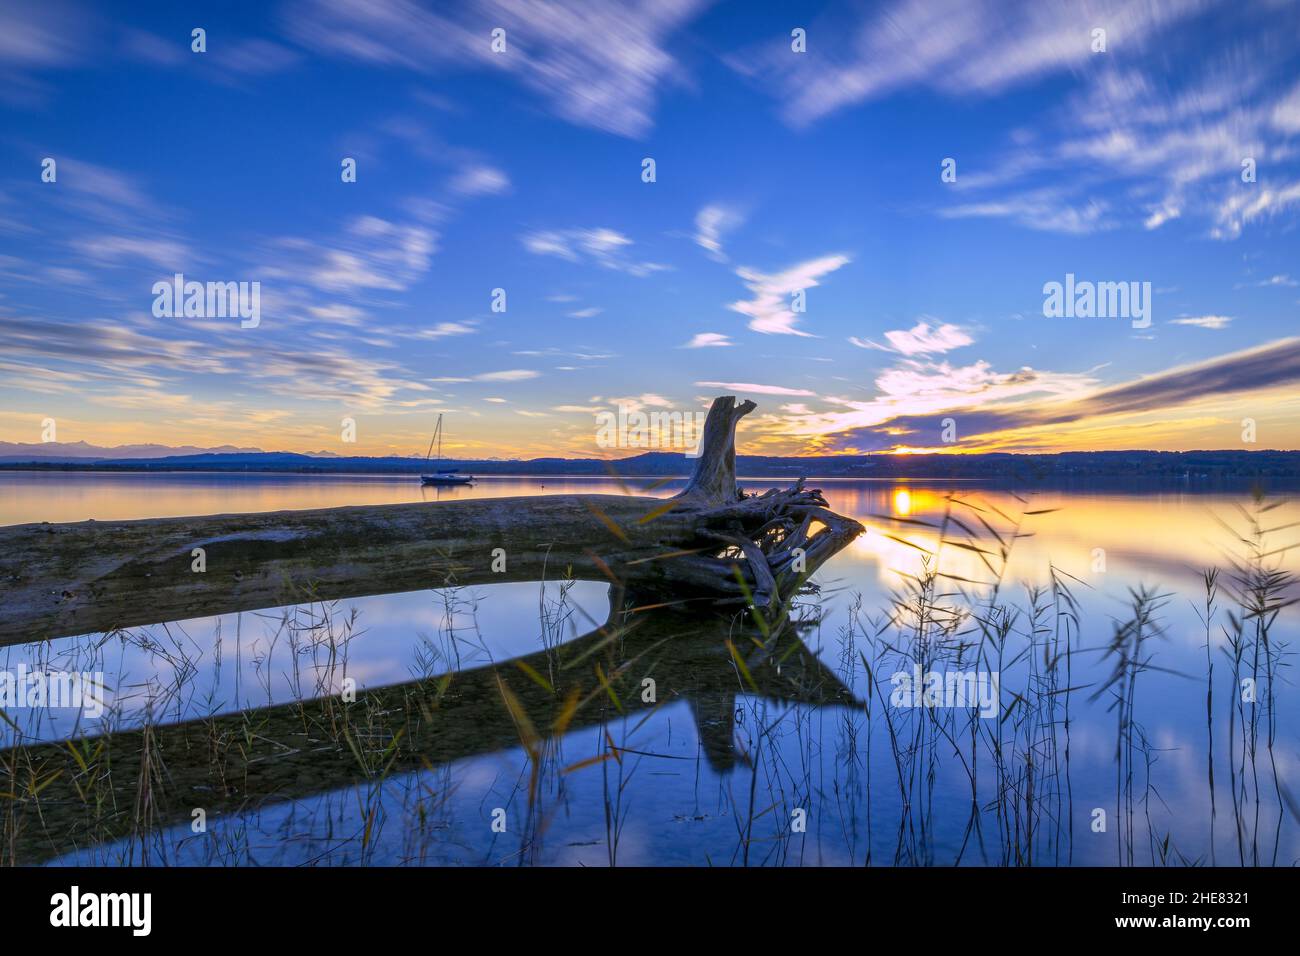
[709,542]
[77,793]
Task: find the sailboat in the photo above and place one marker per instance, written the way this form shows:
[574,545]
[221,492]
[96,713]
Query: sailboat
[442,476]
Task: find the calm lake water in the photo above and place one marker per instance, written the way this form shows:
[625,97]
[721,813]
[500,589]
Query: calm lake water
[813,761]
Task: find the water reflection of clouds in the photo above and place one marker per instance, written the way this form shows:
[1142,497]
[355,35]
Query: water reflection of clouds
[253,648]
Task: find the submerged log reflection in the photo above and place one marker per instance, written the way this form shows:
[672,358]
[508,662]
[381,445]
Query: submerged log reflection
[76,793]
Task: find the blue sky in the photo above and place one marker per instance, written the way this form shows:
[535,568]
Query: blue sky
[776,171]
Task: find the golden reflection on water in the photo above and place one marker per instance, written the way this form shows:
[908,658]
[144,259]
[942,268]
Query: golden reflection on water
[1103,538]
[902,502]
[1155,536]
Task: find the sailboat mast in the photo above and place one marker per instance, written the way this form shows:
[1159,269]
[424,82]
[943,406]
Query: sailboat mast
[437,437]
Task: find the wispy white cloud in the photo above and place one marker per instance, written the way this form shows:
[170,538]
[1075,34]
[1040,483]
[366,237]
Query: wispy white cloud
[710,223]
[370,254]
[1002,408]
[770,309]
[228,60]
[1163,213]
[509,375]
[607,248]
[104,184]
[35,38]
[88,198]
[584,356]
[913,389]
[1248,203]
[634,403]
[1286,112]
[921,339]
[480,180]
[597,243]
[506,375]
[704,340]
[952,46]
[108,355]
[597,64]
[1160,148]
[338,313]
[1204,321]
[166,254]
[752,389]
[1047,210]
[440,331]
[1279,281]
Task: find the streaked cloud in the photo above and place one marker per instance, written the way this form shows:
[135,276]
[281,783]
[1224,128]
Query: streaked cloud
[1253,202]
[38,38]
[480,180]
[752,389]
[1286,112]
[770,311]
[1047,210]
[439,331]
[42,35]
[107,357]
[506,375]
[921,339]
[370,253]
[607,248]
[1134,145]
[953,47]
[711,222]
[1204,321]
[705,340]
[994,420]
[596,64]
[115,250]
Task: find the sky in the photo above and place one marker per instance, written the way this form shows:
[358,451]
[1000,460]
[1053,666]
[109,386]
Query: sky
[855,212]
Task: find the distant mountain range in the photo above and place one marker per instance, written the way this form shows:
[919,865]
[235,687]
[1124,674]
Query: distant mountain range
[80,450]
[1198,465]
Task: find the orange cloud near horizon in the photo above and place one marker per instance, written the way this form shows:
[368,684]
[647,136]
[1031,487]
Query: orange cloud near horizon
[919,406]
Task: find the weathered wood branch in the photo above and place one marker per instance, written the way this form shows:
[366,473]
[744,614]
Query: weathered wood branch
[77,578]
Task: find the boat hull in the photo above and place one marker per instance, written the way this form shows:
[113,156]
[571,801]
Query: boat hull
[446,479]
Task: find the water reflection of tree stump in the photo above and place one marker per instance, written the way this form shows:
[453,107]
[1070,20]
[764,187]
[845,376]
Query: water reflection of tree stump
[241,762]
